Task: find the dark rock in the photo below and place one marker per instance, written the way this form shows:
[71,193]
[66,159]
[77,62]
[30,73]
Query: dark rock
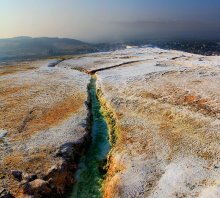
[216,166]
[71,151]
[38,188]
[66,151]
[30,178]
[17,174]
[5,194]
[3,133]
[2,190]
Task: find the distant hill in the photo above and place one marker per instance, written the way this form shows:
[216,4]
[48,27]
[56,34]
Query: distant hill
[27,47]
[24,48]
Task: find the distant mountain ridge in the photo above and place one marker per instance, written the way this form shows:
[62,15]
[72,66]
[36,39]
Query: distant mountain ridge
[28,47]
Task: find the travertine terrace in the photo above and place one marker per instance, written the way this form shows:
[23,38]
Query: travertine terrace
[43,119]
[167,110]
[163,111]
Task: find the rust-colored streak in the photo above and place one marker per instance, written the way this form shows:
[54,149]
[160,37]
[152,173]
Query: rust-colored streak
[190,99]
[4,92]
[55,114]
[22,118]
[11,69]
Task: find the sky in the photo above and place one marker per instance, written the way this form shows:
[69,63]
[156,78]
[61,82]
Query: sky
[110,20]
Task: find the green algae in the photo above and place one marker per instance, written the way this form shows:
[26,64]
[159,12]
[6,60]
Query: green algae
[90,173]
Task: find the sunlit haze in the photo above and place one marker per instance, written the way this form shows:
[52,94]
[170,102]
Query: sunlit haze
[110,20]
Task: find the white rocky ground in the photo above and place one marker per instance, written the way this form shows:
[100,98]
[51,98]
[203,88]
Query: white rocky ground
[92,62]
[43,118]
[166,104]
[168,111]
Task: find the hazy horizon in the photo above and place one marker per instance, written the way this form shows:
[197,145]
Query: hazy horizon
[113,20]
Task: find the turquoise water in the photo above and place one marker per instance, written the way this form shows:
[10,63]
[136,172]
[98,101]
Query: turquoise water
[90,173]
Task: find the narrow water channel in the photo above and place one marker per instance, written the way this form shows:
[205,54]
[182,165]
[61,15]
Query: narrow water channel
[90,174]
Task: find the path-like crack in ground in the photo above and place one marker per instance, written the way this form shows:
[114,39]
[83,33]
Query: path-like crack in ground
[90,173]
[114,66]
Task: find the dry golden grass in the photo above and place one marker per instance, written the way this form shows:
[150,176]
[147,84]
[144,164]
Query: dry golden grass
[12,114]
[185,132]
[45,118]
[112,187]
[29,163]
[10,69]
[112,181]
[16,116]
[180,97]
[181,131]
[5,92]
[33,102]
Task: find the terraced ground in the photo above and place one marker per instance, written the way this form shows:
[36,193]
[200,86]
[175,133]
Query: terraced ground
[43,118]
[163,112]
[168,117]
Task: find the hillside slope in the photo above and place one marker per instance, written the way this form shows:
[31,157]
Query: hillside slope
[168,113]
[27,47]
[163,111]
[43,128]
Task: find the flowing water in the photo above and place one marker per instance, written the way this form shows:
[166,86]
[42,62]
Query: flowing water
[90,173]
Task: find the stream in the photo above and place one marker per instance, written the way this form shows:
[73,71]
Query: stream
[90,173]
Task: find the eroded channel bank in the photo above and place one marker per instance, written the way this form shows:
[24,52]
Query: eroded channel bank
[91,171]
